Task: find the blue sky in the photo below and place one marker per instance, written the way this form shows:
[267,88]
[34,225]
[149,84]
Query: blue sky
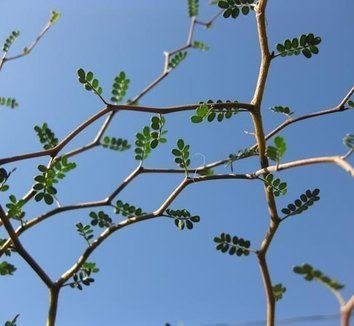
[151,272]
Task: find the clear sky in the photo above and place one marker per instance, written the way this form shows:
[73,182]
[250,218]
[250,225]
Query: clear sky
[151,272]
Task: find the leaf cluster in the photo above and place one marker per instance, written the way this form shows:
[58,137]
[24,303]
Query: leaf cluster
[90,83]
[116,144]
[84,276]
[10,40]
[12,322]
[282,109]
[55,15]
[150,137]
[206,111]
[348,141]
[127,210]
[15,207]
[200,46]
[177,59]
[183,218]
[101,219]
[233,245]
[310,274]
[9,102]
[300,205]
[4,175]
[275,185]
[276,152]
[233,8]
[193,8]
[120,87]
[85,231]
[278,291]
[181,154]
[6,268]
[46,136]
[44,185]
[305,44]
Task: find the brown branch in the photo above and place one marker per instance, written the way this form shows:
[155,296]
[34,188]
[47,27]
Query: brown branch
[111,108]
[29,48]
[346,311]
[22,251]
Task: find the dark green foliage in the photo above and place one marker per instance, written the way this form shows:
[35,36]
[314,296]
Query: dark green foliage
[200,46]
[4,177]
[233,245]
[150,137]
[193,8]
[233,8]
[351,104]
[302,204]
[10,40]
[101,219]
[310,274]
[6,268]
[305,44]
[275,185]
[12,322]
[54,16]
[181,154]
[348,141]
[143,148]
[85,231]
[177,59]
[183,218]
[90,83]
[120,87]
[15,208]
[46,136]
[282,109]
[276,152]
[84,276]
[127,210]
[116,144]
[157,124]
[206,111]
[10,249]
[278,291]
[44,182]
[9,102]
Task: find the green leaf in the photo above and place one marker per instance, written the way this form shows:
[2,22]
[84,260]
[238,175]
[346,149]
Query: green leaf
[300,205]
[182,155]
[183,218]
[55,15]
[275,153]
[120,87]
[116,144]
[193,8]
[46,136]
[233,245]
[310,274]
[207,111]
[233,8]
[348,141]
[127,210]
[275,185]
[9,102]
[305,44]
[200,46]
[282,109]
[89,81]
[278,291]
[10,40]
[177,59]
[6,268]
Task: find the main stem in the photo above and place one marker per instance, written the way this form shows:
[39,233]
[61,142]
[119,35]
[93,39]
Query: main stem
[53,305]
[346,311]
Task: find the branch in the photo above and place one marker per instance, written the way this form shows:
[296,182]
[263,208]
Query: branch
[22,251]
[112,108]
[27,50]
